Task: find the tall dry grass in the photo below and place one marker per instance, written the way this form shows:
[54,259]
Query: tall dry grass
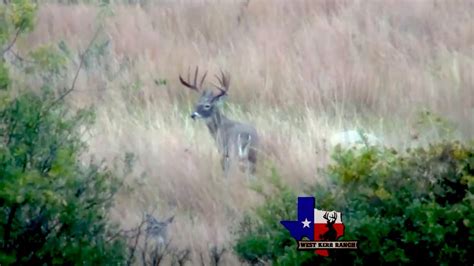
[300,70]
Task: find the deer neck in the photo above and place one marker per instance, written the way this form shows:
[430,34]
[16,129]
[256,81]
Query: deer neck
[215,122]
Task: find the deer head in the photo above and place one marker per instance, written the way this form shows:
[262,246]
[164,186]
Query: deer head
[206,104]
[330,217]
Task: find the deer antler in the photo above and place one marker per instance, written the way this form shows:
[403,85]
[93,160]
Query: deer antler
[194,85]
[325,216]
[223,86]
[330,217]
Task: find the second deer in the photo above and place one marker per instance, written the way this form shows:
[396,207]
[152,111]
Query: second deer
[236,142]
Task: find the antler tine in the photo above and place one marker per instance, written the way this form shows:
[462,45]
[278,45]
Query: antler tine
[194,85]
[223,86]
[218,86]
[218,79]
[196,75]
[225,80]
[202,79]
[223,83]
[189,75]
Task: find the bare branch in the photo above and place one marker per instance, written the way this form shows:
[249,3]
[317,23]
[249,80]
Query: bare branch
[21,58]
[81,63]
[10,45]
[216,254]
[180,257]
[135,245]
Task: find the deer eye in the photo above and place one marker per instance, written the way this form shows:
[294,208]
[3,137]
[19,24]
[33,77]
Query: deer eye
[207,106]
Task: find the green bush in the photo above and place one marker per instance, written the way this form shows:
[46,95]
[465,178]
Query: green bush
[53,206]
[261,237]
[404,208]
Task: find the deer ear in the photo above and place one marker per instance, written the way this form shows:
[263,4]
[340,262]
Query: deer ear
[220,101]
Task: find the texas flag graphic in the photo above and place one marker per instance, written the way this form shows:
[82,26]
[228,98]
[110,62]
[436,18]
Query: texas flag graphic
[314,224]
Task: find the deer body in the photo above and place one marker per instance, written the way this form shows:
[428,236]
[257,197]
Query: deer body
[236,142]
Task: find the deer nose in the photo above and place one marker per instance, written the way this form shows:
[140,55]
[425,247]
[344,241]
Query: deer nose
[194,115]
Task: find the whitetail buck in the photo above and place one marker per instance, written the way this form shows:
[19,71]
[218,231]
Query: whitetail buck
[236,142]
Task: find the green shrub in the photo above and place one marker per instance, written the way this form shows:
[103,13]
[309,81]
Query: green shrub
[4,76]
[411,208]
[53,206]
[414,207]
[262,238]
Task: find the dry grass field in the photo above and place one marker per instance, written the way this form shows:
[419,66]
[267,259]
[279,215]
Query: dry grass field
[300,71]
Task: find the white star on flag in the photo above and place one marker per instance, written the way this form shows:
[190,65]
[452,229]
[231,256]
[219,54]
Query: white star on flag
[306,223]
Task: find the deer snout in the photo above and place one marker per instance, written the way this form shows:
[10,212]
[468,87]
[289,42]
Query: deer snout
[195,114]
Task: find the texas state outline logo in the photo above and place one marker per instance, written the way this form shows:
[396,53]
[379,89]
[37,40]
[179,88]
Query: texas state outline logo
[317,229]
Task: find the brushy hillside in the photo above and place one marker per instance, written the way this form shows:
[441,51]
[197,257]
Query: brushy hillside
[300,71]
